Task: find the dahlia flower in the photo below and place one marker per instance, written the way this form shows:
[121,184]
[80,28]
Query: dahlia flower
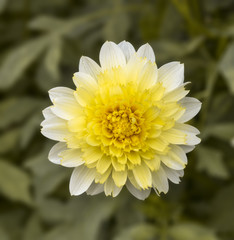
[124,124]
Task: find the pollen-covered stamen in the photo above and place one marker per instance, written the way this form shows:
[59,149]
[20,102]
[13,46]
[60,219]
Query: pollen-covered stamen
[123,124]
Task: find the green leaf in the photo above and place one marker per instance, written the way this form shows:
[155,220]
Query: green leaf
[14,182]
[2,5]
[221,209]
[29,129]
[226,66]
[46,23]
[3,234]
[47,176]
[191,231]
[165,50]
[18,59]
[118,18]
[141,231]
[224,131]
[33,229]
[14,110]
[48,72]
[8,140]
[211,161]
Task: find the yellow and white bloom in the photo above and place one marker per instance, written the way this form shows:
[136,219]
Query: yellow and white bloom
[124,124]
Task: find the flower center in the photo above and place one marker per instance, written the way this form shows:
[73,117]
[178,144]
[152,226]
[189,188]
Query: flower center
[123,124]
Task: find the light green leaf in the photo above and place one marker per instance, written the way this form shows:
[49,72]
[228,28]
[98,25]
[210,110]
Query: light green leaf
[141,231]
[48,73]
[3,234]
[191,231]
[2,5]
[14,110]
[52,58]
[47,176]
[117,19]
[18,59]
[165,50]
[226,66]
[28,130]
[14,182]
[33,229]
[46,23]
[211,161]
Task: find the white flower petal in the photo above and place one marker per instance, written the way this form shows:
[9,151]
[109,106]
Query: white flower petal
[171,75]
[146,51]
[110,188]
[65,104]
[190,131]
[175,159]
[58,92]
[81,179]
[148,76]
[71,158]
[187,148]
[95,188]
[86,81]
[192,107]
[173,175]
[160,181]
[192,140]
[84,97]
[55,128]
[111,56]
[55,150]
[47,113]
[139,194]
[88,66]
[176,94]
[127,49]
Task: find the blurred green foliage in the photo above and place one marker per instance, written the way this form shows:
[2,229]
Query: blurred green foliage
[41,43]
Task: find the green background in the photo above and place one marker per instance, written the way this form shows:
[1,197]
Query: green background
[41,42]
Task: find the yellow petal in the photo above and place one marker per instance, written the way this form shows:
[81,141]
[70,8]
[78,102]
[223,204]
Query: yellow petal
[92,154]
[134,157]
[153,164]
[174,136]
[103,164]
[117,166]
[119,177]
[92,140]
[157,144]
[142,175]
[77,124]
[101,178]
